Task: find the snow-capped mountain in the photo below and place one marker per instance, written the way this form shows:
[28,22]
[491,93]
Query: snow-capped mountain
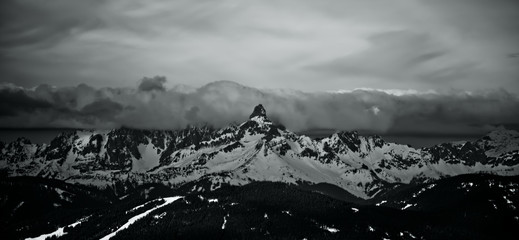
[256,150]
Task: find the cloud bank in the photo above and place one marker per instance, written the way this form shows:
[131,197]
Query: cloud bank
[151,106]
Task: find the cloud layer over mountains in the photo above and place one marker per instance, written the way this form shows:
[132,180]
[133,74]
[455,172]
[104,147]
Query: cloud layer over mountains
[152,106]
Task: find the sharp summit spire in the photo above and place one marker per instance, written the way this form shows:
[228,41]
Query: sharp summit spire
[259,111]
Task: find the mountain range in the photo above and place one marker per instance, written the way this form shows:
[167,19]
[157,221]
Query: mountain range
[257,180]
[256,150]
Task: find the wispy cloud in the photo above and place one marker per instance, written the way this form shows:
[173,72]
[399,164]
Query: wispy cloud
[224,102]
[404,56]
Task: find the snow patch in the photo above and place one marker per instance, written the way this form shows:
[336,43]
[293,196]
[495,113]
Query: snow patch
[510,203]
[330,229]
[225,220]
[408,206]
[59,232]
[137,207]
[159,216]
[167,201]
[149,158]
[410,234]
[18,206]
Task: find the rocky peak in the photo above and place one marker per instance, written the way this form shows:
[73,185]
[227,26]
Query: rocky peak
[502,133]
[259,111]
[259,118]
[21,141]
[258,122]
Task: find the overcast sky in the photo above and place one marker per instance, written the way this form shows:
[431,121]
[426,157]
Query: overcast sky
[400,66]
[300,44]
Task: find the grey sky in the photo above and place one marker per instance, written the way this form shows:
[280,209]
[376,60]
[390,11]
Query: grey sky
[304,45]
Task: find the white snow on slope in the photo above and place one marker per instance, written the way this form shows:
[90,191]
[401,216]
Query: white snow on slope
[167,201]
[149,158]
[408,206]
[224,221]
[59,232]
[18,206]
[137,207]
[287,213]
[256,159]
[330,229]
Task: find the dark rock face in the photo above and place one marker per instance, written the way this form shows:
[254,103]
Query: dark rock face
[259,111]
[328,155]
[16,151]
[195,136]
[260,124]
[284,148]
[59,147]
[379,142]
[307,152]
[122,145]
[351,139]
[94,145]
[233,146]
[469,154]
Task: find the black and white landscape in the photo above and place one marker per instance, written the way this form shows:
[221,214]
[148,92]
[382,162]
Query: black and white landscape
[337,120]
[258,180]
